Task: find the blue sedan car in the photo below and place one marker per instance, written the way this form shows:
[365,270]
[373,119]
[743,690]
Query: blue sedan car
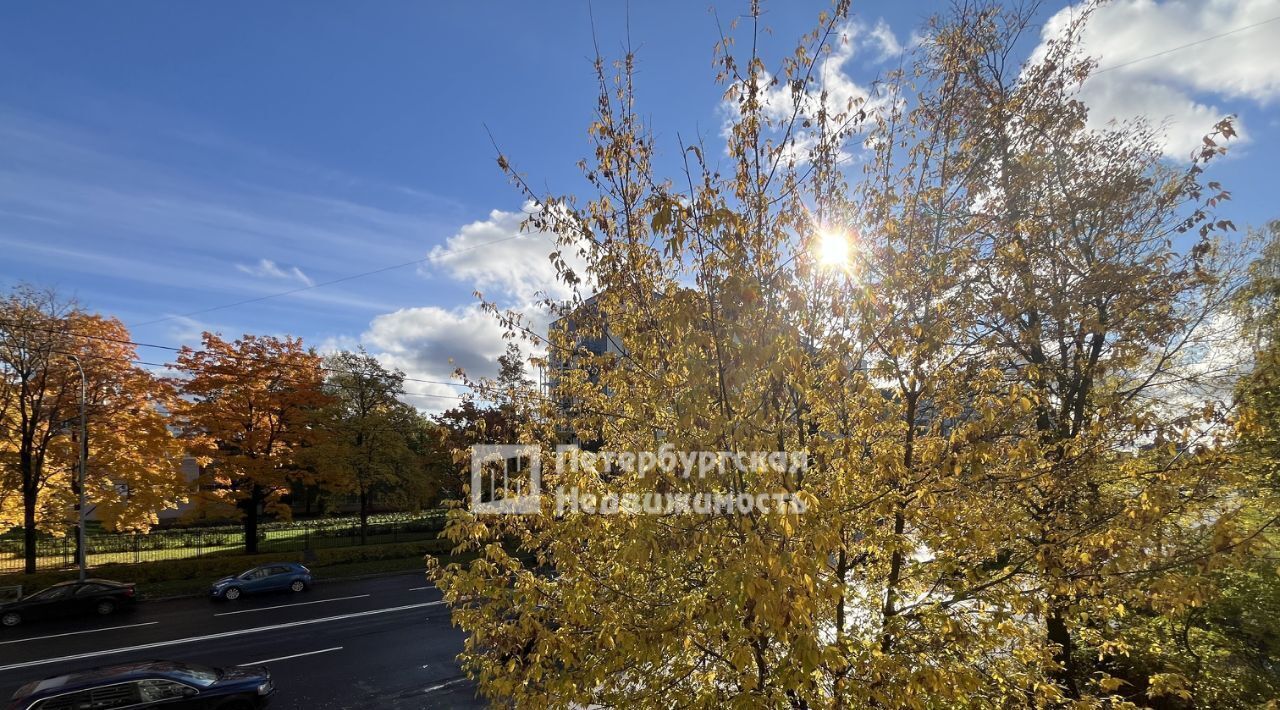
[274,577]
[147,684]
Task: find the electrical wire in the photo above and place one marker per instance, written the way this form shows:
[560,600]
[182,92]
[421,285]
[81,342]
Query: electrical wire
[341,279]
[1181,47]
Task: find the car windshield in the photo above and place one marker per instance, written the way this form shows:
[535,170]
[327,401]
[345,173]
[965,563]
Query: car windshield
[202,676]
[248,573]
[50,593]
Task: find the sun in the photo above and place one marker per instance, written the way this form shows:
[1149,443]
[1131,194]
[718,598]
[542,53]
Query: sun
[833,249]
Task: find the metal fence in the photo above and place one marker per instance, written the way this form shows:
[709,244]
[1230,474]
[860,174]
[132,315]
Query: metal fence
[53,553]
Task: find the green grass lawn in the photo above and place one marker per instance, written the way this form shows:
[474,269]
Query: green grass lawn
[277,541]
[415,563]
[192,576]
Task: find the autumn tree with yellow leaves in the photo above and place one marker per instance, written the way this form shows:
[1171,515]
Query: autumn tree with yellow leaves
[983,322]
[367,443]
[134,466]
[1259,392]
[248,408]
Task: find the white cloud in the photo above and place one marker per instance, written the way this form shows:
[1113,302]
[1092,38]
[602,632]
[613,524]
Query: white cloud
[268,269]
[183,329]
[843,95]
[495,254]
[917,38]
[883,36]
[1181,89]
[511,267]
[336,343]
[832,78]
[430,343]
[1206,369]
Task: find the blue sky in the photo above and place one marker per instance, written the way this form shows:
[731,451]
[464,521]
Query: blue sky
[161,158]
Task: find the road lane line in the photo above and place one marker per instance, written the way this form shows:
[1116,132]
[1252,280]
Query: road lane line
[419,589]
[73,633]
[442,686]
[212,637]
[285,658]
[286,606]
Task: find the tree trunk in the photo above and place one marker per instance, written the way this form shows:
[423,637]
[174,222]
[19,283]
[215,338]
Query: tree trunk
[29,491]
[1060,635]
[75,490]
[251,520]
[364,515]
[890,609]
[75,533]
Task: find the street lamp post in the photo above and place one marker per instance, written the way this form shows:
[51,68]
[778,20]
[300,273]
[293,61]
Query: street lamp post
[84,457]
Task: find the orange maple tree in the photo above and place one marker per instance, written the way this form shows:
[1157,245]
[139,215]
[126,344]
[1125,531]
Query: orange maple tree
[134,466]
[247,408]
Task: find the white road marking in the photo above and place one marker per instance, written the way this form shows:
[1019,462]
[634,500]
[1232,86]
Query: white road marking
[73,633]
[286,606]
[419,589]
[211,637]
[444,685]
[285,658]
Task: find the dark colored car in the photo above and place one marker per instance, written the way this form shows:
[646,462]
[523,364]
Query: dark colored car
[92,596]
[149,684]
[274,577]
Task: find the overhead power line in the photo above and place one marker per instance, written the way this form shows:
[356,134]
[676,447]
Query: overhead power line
[534,397]
[167,366]
[322,284]
[414,262]
[1181,47]
[26,326]
[171,348]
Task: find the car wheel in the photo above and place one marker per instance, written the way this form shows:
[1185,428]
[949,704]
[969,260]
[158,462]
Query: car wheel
[11,618]
[298,585]
[232,594]
[105,607]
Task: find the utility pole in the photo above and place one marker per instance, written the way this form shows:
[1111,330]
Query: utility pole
[84,457]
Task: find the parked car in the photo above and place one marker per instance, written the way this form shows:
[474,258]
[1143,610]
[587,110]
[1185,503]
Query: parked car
[92,596]
[147,684]
[274,577]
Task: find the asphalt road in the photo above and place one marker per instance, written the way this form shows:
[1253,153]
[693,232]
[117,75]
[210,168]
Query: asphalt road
[376,643]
